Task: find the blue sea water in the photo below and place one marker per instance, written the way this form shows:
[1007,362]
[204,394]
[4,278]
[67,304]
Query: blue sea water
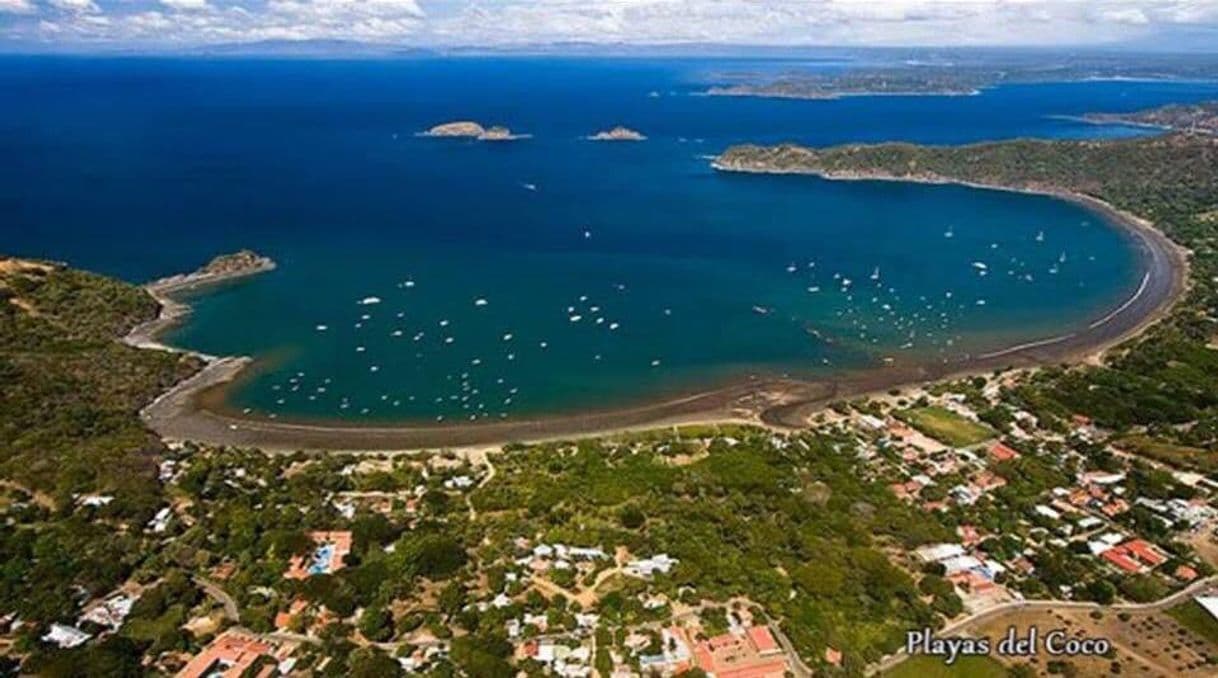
[606,272]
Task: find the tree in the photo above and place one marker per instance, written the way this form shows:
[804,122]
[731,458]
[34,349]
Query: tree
[368,662]
[376,624]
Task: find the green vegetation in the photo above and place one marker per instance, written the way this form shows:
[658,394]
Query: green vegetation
[946,426]
[1182,456]
[751,519]
[1196,619]
[923,666]
[69,425]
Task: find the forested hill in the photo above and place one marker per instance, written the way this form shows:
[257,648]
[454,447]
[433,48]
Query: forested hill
[1168,381]
[69,408]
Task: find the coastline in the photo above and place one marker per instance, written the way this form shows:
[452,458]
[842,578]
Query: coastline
[834,96]
[195,408]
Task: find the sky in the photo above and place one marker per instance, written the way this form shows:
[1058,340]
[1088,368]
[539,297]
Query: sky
[160,24]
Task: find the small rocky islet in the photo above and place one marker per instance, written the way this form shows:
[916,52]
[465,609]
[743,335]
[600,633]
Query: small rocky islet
[618,133]
[473,130]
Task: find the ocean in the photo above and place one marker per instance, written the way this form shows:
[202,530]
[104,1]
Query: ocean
[426,279]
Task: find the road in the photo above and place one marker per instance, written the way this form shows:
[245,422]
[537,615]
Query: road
[217,592]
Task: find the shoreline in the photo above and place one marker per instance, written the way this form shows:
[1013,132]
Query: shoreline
[195,408]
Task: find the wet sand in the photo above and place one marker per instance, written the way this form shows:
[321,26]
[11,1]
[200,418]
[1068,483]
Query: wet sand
[196,409]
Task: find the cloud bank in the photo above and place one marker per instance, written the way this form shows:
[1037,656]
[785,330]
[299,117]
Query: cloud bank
[162,23]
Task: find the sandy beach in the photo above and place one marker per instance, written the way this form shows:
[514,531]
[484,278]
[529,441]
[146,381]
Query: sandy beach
[196,409]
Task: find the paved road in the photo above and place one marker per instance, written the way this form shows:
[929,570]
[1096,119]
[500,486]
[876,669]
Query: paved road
[217,592]
[1018,605]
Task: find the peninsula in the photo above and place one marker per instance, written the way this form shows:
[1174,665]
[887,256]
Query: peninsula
[1201,118]
[223,268]
[472,130]
[883,84]
[618,133]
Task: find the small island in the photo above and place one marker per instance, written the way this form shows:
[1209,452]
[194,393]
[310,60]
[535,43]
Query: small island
[468,129]
[618,133]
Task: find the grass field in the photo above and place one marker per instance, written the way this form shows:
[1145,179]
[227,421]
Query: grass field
[1194,618]
[1175,455]
[946,426]
[924,666]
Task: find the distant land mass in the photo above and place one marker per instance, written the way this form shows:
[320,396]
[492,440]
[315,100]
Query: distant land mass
[865,84]
[1198,118]
[941,73]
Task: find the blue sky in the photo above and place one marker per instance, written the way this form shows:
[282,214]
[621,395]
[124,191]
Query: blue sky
[182,23]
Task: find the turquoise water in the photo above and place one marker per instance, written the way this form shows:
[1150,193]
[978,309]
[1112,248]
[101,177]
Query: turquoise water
[552,274]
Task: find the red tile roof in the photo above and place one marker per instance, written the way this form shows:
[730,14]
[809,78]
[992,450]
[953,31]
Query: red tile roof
[229,655]
[1117,557]
[1001,452]
[762,639]
[1145,552]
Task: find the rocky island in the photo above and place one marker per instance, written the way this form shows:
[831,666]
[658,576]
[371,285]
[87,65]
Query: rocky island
[618,133]
[472,130]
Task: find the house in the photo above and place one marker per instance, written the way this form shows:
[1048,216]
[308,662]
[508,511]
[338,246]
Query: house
[1134,555]
[968,535]
[1118,558]
[327,558]
[986,481]
[110,611]
[229,656]
[1000,452]
[933,553]
[648,567]
[1145,552]
[833,657]
[748,653]
[65,637]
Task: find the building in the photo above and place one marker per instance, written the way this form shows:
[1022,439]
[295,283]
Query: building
[648,567]
[1000,452]
[228,656]
[65,637]
[327,558]
[749,653]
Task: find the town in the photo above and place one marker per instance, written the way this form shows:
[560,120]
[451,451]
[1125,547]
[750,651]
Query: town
[413,562]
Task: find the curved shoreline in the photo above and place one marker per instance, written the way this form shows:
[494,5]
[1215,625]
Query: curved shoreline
[193,409]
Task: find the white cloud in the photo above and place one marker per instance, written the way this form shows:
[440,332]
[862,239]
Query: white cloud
[76,6]
[16,7]
[186,5]
[497,22]
[1125,15]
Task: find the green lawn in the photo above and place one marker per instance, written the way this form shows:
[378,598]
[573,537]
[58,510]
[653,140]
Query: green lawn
[1175,455]
[1194,618]
[923,666]
[946,426]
